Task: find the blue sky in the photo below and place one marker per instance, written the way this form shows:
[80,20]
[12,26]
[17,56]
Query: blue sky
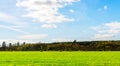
[59,20]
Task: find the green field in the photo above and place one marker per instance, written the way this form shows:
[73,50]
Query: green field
[60,58]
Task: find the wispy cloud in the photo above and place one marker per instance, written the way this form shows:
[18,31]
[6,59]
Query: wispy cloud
[71,10]
[33,36]
[12,23]
[49,26]
[103,36]
[13,29]
[107,30]
[4,17]
[61,40]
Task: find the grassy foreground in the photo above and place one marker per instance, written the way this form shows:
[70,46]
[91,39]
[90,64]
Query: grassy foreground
[60,58]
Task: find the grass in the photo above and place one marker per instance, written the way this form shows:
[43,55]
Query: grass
[107,58]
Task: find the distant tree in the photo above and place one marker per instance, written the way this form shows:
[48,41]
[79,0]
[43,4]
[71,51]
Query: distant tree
[18,44]
[10,44]
[3,44]
[24,43]
[41,48]
[74,41]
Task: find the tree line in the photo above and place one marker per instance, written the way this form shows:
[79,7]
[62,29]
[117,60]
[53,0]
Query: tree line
[63,46]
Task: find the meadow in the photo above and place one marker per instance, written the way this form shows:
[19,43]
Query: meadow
[56,58]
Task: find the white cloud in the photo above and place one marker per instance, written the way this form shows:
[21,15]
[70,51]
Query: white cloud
[102,36]
[105,7]
[108,30]
[61,40]
[113,25]
[49,26]
[46,11]
[33,36]
[71,10]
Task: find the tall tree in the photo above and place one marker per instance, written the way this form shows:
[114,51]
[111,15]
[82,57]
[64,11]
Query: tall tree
[24,43]
[3,44]
[10,44]
[18,44]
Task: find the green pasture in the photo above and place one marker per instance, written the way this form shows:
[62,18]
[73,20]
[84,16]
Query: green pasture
[107,58]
